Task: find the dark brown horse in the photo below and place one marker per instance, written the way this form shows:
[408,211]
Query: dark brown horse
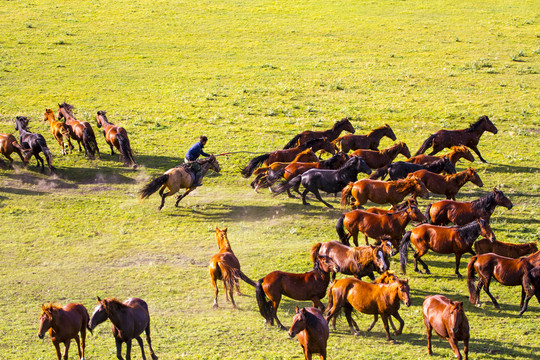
[456,153]
[449,321]
[129,318]
[33,144]
[311,328]
[461,213]
[225,266]
[511,250]
[370,141]
[331,134]
[376,159]
[401,169]
[60,131]
[448,185]
[468,137]
[81,131]
[64,323]
[116,137]
[456,240]
[8,146]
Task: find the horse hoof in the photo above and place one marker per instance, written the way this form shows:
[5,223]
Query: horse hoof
[215,306]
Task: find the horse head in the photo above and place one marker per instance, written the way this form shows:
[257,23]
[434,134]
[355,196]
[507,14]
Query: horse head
[501,199]
[456,315]
[387,277]
[327,264]
[487,124]
[65,107]
[345,124]
[414,212]
[447,165]
[360,165]
[99,315]
[386,246]
[473,177]
[464,152]
[485,230]
[298,322]
[46,320]
[212,163]
[403,291]
[101,118]
[379,260]
[222,240]
[328,146]
[49,114]
[420,188]
[21,123]
[389,132]
[403,149]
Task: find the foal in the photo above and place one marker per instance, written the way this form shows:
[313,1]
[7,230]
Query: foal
[312,331]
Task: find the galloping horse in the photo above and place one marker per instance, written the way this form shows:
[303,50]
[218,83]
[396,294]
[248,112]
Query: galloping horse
[81,131]
[400,169]
[443,240]
[116,136]
[225,266]
[377,159]
[59,129]
[456,153]
[34,143]
[468,137]
[312,331]
[404,205]
[448,185]
[511,250]
[331,134]
[461,213]
[9,145]
[177,178]
[369,141]
[64,323]
[129,318]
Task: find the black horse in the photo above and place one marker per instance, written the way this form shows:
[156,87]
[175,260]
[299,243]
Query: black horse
[33,142]
[330,181]
[400,169]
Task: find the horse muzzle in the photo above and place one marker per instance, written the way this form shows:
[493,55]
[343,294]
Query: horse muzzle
[41,336]
[291,334]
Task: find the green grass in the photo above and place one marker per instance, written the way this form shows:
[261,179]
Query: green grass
[250,75]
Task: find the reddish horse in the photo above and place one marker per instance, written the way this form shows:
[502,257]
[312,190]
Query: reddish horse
[449,321]
[448,185]
[456,240]
[312,331]
[376,159]
[404,205]
[331,134]
[369,141]
[129,318]
[116,137]
[59,129]
[514,251]
[8,146]
[468,137]
[226,267]
[64,323]
[456,153]
[81,131]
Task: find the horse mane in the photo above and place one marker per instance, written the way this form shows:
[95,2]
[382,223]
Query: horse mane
[304,152]
[69,108]
[48,308]
[311,320]
[114,302]
[475,125]
[464,229]
[339,122]
[485,202]
[404,184]
[380,128]
[331,161]
[459,148]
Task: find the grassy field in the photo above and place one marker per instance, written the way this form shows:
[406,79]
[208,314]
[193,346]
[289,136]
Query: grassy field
[249,75]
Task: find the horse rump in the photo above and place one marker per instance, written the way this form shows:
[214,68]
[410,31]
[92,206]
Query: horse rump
[292,143]
[89,140]
[153,186]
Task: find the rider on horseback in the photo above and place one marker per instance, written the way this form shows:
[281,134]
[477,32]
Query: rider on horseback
[191,159]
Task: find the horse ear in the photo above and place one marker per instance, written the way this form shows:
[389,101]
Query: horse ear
[43,307]
[98,299]
[297,309]
[225,230]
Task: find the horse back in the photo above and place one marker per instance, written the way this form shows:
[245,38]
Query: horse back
[73,319]
[435,311]
[373,298]
[137,314]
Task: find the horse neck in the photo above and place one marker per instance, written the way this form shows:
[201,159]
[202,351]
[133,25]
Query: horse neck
[486,203]
[377,134]
[454,156]
[402,217]
[459,179]
[205,167]
[224,245]
[114,311]
[392,152]
[471,234]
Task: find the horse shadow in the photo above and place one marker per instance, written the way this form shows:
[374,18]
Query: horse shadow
[158,161]
[505,168]
[87,176]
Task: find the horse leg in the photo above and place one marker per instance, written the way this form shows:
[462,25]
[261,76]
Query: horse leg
[366,239]
[291,196]
[216,291]
[66,349]
[40,161]
[128,349]
[417,258]
[139,340]
[453,344]
[231,291]
[428,331]
[466,348]
[112,149]
[180,197]
[304,197]
[458,259]
[375,318]
[149,341]
[163,196]
[386,328]
[318,304]
[83,340]
[524,301]
[318,196]
[486,289]
[475,149]
[78,342]
[237,286]
[57,348]
[352,324]
[307,354]
[401,323]
[118,348]
[275,305]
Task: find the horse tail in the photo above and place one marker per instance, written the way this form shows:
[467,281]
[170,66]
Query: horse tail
[87,139]
[330,304]
[264,305]
[341,232]
[256,161]
[125,150]
[292,143]
[47,154]
[346,194]
[286,185]
[403,251]
[425,145]
[315,251]
[473,296]
[153,186]
[228,274]
[426,214]
[380,173]
[246,279]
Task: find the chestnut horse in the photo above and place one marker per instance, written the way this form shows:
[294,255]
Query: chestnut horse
[331,134]
[370,141]
[33,143]
[511,250]
[377,159]
[64,323]
[81,131]
[468,137]
[456,153]
[311,285]
[404,205]
[225,266]
[8,146]
[116,137]
[375,299]
[449,321]
[400,169]
[311,328]
[382,192]
[456,240]
[448,185]
[389,226]
[129,318]
[461,213]
[60,131]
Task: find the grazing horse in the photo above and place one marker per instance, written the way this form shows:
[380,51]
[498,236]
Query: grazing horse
[59,129]
[287,155]
[400,169]
[81,131]
[375,299]
[456,240]
[330,181]
[514,251]
[389,226]
[449,321]
[377,159]
[461,213]
[456,153]
[370,141]
[468,137]
[116,137]
[507,271]
[64,323]
[225,266]
[177,178]
[8,146]
[311,285]
[331,134]
[448,185]
[382,192]
[34,144]
[129,318]
[311,328]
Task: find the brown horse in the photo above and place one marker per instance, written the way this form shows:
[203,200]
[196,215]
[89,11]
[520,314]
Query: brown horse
[514,251]
[116,137]
[10,145]
[129,318]
[468,137]
[311,285]
[456,240]
[312,331]
[331,134]
[448,185]
[64,323]
[177,178]
[375,299]
[404,205]
[376,159]
[81,131]
[456,153]
[449,321]
[390,226]
[370,141]
[382,192]
[225,266]
[461,213]
[60,131]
